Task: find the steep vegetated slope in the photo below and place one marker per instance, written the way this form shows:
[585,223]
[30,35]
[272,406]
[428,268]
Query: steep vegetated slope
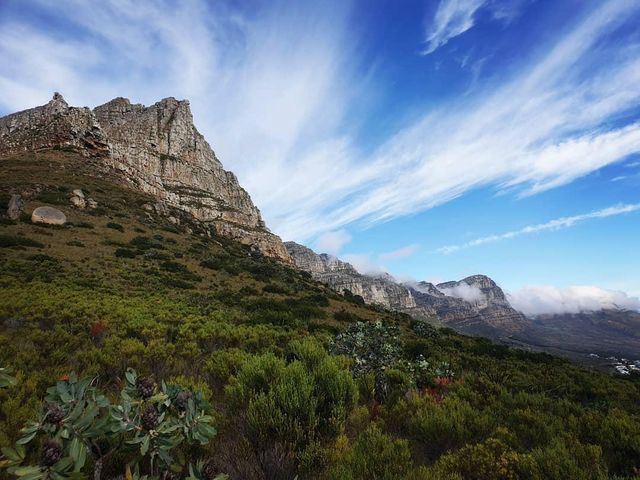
[303,380]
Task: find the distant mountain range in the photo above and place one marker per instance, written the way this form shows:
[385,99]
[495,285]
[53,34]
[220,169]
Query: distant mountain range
[476,305]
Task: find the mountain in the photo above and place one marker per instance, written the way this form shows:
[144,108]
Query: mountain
[158,150]
[603,332]
[475,305]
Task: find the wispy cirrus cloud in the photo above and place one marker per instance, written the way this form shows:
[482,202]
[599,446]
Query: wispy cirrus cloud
[452,18]
[272,87]
[402,252]
[556,224]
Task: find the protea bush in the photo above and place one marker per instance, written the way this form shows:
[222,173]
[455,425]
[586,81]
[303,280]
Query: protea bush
[152,431]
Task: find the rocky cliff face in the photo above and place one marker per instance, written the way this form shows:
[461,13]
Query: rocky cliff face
[473,305]
[342,276]
[158,149]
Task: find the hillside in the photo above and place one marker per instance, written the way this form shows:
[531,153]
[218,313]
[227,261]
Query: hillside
[121,286]
[603,332]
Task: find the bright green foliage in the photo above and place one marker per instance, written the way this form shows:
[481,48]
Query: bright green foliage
[79,430]
[489,460]
[294,403]
[439,426]
[373,455]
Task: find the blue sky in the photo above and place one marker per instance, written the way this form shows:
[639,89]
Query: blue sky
[432,139]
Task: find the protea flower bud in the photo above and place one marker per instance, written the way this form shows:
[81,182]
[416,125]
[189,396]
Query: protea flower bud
[54,414]
[144,387]
[150,417]
[51,453]
[182,400]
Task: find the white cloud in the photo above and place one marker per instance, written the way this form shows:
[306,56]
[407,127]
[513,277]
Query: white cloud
[403,252]
[332,242]
[545,299]
[470,293]
[271,89]
[557,224]
[452,18]
[363,263]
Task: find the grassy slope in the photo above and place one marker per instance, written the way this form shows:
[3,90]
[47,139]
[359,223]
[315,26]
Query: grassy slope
[67,302]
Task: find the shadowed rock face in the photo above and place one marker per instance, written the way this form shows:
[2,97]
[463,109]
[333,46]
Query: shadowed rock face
[158,149]
[488,314]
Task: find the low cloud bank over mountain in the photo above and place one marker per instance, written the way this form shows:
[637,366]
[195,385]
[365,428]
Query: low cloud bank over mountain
[545,299]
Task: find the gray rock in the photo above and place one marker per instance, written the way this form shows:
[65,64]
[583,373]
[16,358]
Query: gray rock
[78,202]
[78,193]
[16,204]
[161,209]
[49,216]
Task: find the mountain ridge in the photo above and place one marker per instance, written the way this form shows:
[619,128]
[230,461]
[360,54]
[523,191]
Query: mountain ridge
[493,316]
[159,151]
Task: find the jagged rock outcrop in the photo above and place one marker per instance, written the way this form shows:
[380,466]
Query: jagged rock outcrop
[54,125]
[342,276]
[473,305]
[158,149]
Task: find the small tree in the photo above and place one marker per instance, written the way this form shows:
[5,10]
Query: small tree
[80,429]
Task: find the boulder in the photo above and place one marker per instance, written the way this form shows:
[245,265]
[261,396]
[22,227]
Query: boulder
[91,203]
[78,202]
[16,204]
[78,193]
[49,216]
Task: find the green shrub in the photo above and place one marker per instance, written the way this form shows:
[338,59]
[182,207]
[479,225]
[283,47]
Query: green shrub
[115,226]
[373,455]
[276,288]
[345,316]
[292,404]
[125,253]
[86,225]
[75,243]
[16,241]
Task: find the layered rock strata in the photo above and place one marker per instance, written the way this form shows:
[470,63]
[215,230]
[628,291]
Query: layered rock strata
[158,150]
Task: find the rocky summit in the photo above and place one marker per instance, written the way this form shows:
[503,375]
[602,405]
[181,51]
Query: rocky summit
[475,305]
[158,150]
